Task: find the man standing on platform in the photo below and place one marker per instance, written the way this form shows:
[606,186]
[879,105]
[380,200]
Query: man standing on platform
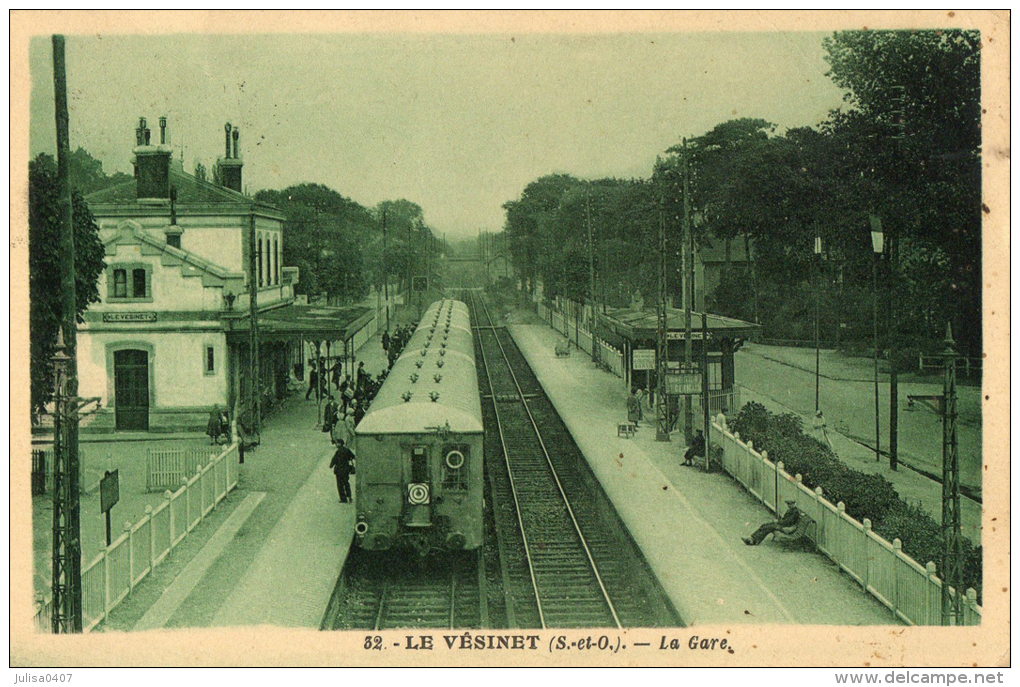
[342,466]
[386,341]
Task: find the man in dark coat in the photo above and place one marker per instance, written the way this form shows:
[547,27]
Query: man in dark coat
[386,341]
[313,381]
[342,466]
[790,519]
[697,448]
[359,412]
[329,414]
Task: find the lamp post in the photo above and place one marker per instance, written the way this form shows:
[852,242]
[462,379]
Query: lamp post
[877,244]
[818,252]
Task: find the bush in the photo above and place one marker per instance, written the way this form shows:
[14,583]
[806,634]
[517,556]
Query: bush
[864,495]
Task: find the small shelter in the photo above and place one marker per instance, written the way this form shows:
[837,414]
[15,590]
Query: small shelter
[634,333]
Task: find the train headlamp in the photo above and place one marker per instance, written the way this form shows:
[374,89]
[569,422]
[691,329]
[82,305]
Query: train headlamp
[455,460]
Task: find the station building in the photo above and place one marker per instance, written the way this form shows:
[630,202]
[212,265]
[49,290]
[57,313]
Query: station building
[169,338]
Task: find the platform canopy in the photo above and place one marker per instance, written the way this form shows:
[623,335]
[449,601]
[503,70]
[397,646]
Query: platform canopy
[305,323]
[642,325]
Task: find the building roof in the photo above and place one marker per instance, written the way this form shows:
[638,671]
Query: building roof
[642,324]
[306,322]
[439,360]
[191,191]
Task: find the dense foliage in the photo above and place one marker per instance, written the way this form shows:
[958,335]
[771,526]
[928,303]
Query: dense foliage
[45,306]
[864,495]
[905,147]
[339,246]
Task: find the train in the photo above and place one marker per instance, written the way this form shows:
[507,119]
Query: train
[419,477]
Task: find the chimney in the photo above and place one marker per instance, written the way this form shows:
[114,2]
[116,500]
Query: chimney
[229,165]
[152,163]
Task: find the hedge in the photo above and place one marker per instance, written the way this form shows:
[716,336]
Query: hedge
[864,495]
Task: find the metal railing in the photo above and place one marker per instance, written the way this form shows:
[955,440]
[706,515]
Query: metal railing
[114,573]
[911,590]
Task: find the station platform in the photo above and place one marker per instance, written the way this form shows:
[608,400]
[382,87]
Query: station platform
[688,523]
[274,560]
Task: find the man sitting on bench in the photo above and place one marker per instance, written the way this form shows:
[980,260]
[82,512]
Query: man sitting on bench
[785,524]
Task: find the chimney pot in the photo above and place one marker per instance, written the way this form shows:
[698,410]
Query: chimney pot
[226,129]
[237,135]
[148,134]
[162,130]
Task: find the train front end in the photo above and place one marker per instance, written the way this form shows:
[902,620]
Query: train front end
[419,448]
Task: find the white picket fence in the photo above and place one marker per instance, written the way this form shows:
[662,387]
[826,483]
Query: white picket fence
[114,573]
[912,591]
[611,358]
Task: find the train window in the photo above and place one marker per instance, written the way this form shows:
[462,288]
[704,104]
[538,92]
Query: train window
[455,467]
[419,464]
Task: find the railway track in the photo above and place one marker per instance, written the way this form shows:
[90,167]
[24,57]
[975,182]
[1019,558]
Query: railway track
[566,558]
[382,592]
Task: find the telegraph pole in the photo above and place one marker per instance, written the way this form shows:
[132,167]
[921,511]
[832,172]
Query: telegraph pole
[253,334]
[66,568]
[386,271]
[596,353]
[952,561]
[688,262]
[661,343]
[899,128]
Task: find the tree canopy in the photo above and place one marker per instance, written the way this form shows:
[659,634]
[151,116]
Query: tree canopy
[45,300]
[905,147]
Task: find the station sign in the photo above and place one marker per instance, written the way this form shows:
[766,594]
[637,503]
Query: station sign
[679,336]
[683,380]
[129,317]
[643,359]
[109,490]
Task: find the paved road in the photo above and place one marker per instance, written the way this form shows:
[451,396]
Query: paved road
[849,408]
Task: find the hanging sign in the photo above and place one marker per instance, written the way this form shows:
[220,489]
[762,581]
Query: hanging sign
[644,359]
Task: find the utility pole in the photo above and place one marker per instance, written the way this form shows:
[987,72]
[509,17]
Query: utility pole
[596,353]
[661,343]
[952,561]
[688,262]
[818,295]
[253,334]
[386,271]
[66,567]
[706,411]
[899,129]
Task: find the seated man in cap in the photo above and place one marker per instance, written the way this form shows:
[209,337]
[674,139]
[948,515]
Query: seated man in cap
[790,519]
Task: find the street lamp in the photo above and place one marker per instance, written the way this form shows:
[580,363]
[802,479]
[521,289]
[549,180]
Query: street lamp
[877,244]
[818,252]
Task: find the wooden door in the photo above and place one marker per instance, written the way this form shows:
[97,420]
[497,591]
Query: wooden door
[131,389]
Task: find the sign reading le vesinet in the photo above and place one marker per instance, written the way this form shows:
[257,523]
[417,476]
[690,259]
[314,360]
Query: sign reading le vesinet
[129,317]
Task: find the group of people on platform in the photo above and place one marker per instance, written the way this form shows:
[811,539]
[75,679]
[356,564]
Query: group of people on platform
[394,343]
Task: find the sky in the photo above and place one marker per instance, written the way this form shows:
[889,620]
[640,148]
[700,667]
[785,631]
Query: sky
[459,124]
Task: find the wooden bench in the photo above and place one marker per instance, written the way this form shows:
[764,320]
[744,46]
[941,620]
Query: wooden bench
[798,531]
[626,429]
[563,349]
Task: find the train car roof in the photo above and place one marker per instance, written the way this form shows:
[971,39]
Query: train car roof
[434,381]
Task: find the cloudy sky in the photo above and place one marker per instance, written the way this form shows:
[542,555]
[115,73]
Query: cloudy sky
[459,124]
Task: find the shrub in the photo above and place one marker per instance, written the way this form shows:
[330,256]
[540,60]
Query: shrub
[864,495]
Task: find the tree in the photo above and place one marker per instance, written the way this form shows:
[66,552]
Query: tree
[323,235]
[926,185]
[87,173]
[45,307]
